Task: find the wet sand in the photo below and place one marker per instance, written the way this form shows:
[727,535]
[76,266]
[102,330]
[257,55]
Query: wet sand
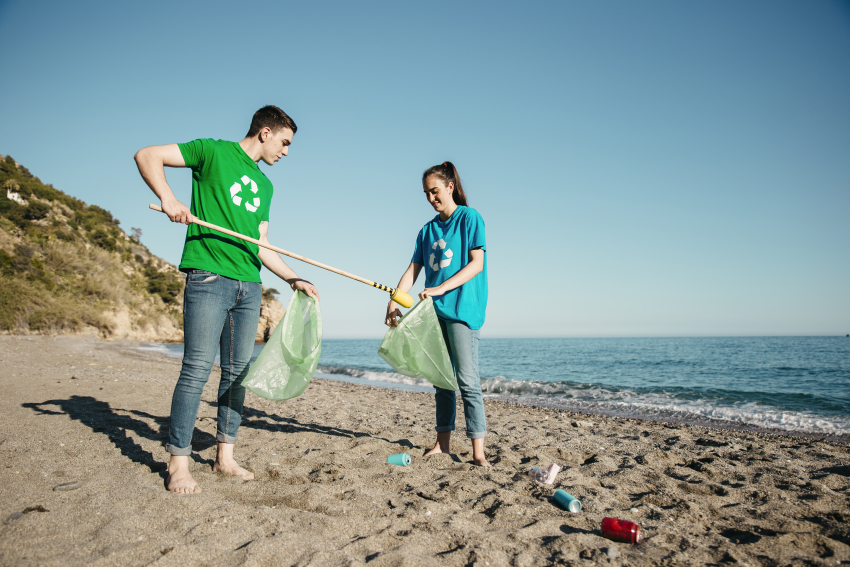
[82,410]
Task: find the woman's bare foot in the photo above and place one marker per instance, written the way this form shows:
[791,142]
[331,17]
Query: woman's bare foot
[234,469]
[225,463]
[179,478]
[442,444]
[478,458]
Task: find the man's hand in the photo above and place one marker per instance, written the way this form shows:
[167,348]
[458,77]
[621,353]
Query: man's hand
[177,211]
[393,313]
[151,162]
[432,292]
[306,287]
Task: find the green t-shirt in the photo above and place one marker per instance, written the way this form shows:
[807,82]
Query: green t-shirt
[228,190]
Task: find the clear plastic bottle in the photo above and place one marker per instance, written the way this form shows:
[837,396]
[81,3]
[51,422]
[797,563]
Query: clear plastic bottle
[546,476]
[538,474]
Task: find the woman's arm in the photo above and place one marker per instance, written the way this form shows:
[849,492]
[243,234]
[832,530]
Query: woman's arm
[469,271]
[404,284]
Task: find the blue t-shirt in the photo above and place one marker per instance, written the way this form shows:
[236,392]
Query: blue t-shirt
[442,249]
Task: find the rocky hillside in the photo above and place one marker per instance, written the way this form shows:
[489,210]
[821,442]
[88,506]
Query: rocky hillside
[68,267]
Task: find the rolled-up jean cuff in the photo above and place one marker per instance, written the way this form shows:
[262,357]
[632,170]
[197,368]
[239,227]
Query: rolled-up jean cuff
[222,438]
[476,434]
[444,428]
[177,451]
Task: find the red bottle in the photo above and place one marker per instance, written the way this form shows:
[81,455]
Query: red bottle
[620,530]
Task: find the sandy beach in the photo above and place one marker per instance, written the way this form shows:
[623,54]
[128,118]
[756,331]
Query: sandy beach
[92,415]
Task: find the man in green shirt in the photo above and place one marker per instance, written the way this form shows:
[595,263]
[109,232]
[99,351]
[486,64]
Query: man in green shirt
[221,304]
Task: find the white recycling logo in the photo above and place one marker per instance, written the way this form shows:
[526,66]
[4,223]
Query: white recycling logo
[447,255]
[237,200]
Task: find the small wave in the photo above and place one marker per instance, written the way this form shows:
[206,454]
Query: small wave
[373,375]
[662,404]
[174,350]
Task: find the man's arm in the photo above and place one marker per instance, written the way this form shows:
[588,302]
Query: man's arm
[151,162]
[278,267]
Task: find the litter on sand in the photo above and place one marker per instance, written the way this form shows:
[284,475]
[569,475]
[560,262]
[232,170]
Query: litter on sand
[401,459]
[620,530]
[567,501]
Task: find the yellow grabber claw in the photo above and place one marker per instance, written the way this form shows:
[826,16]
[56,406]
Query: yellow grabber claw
[397,295]
[402,299]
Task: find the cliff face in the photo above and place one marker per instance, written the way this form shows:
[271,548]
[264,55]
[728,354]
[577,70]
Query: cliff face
[271,313]
[125,324]
[68,268]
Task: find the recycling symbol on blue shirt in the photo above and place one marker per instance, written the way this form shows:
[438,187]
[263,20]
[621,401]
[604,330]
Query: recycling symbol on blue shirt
[447,255]
[237,200]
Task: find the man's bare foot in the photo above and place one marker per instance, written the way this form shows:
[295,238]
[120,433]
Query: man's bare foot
[225,463]
[442,445]
[434,451]
[481,463]
[179,478]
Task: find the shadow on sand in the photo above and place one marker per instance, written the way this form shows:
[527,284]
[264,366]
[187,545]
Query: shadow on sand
[258,419]
[116,423]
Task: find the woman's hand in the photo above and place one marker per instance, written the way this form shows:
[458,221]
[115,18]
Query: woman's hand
[432,292]
[393,313]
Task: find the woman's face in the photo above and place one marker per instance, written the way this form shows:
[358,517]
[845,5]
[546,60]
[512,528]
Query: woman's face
[439,194]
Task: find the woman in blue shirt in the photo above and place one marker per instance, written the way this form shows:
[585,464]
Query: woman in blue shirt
[451,249]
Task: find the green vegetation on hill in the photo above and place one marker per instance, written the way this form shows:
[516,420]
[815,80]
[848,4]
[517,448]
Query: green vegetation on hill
[66,265]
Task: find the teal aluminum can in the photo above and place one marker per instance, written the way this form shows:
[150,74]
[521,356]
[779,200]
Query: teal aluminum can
[402,459]
[567,501]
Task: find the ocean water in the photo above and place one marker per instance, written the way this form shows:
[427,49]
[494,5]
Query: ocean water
[799,384]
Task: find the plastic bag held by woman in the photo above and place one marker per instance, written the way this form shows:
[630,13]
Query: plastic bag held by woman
[287,362]
[416,347]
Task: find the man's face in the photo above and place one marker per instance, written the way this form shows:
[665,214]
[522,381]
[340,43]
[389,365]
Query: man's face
[275,144]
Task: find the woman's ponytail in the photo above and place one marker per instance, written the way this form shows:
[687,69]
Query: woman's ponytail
[448,173]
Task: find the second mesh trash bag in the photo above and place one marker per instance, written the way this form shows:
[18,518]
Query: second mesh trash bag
[416,347]
[286,364]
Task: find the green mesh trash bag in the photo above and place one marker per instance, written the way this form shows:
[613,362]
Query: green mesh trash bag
[287,362]
[416,347]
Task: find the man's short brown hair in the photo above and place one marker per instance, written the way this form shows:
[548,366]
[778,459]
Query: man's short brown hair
[274,118]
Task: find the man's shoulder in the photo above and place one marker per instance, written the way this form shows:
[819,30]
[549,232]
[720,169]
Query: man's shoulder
[211,144]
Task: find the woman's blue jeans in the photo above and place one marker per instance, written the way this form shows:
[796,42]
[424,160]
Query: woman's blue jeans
[463,350]
[218,312]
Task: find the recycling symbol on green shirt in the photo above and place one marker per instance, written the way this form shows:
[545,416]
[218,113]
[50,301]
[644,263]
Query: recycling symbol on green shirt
[237,200]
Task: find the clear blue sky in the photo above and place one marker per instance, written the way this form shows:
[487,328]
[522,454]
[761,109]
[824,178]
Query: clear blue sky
[643,168]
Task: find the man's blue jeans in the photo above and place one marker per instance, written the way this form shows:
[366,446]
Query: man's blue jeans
[463,350]
[223,313]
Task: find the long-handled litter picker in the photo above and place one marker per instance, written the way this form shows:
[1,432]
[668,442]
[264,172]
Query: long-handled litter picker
[397,295]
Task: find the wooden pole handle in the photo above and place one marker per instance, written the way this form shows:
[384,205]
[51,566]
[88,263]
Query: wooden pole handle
[284,252]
